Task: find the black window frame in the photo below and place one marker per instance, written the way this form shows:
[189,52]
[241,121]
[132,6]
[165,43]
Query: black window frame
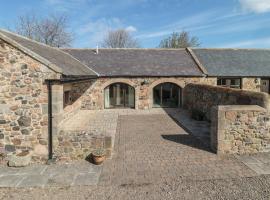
[268,79]
[222,82]
[67,98]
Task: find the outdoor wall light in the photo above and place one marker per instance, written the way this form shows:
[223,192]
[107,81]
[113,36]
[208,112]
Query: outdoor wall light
[145,82]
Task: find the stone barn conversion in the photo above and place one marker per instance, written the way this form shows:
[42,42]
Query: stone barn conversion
[42,87]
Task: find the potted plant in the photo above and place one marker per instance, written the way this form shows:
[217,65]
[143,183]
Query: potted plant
[98,156]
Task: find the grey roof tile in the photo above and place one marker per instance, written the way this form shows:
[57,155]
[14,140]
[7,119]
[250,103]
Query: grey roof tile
[138,62]
[235,62]
[67,64]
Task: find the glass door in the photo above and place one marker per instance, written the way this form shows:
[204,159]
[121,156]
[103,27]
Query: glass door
[167,95]
[119,95]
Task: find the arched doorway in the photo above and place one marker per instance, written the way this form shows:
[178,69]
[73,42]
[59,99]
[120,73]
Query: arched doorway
[119,95]
[167,95]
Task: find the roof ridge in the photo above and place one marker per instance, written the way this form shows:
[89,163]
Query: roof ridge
[81,63]
[158,49]
[207,48]
[197,61]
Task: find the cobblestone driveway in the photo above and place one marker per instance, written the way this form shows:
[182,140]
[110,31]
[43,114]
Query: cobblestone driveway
[153,148]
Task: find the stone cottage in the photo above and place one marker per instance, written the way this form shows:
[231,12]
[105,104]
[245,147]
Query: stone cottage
[42,86]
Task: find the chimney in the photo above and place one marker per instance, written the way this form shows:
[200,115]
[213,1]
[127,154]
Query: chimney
[97,50]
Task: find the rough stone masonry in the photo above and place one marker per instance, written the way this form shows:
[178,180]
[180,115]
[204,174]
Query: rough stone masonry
[240,129]
[23,103]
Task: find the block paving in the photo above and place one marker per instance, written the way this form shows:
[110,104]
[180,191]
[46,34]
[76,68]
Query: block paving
[154,148]
[150,146]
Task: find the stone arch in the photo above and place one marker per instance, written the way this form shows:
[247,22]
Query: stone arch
[120,80]
[179,83]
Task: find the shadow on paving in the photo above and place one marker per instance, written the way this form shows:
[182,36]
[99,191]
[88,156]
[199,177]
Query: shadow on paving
[197,129]
[187,140]
[154,148]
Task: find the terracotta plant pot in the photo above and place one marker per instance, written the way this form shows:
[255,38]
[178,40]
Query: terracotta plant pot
[98,156]
[98,160]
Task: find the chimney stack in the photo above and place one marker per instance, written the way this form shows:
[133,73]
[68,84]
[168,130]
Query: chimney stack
[97,50]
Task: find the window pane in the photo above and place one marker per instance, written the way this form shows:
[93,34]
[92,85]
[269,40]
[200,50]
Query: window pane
[175,96]
[157,96]
[219,81]
[67,98]
[119,95]
[166,95]
[227,82]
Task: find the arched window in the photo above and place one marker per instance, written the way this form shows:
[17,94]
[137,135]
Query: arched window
[119,95]
[167,95]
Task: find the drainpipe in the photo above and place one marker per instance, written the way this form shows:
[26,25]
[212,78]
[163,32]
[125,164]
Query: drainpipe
[50,137]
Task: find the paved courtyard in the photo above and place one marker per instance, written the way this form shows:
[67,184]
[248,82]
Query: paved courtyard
[154,148]
[151,147]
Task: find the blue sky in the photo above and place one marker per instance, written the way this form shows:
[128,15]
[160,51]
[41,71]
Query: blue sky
[217,23]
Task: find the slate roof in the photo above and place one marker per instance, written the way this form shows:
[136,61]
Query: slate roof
[146,62]
[235,62]
[54,58]
[138,62]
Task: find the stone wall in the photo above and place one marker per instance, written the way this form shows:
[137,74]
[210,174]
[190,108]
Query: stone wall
[74,145]
[23,102]
[203,97]
[240,129]
[93,98]
[251,84]
[77,92]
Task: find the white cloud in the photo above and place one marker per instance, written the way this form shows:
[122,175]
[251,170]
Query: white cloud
[100,25]
[66,5]
[96,30]
[131,29]
[260,42]
[54,2]
[236,26]
[257,6]
[189,23]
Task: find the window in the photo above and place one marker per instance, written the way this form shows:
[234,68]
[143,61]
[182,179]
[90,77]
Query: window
[119,95]
[67,98]
[265,85]
[229,82]
[167,95]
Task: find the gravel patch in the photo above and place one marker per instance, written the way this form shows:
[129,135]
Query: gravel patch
[241,188]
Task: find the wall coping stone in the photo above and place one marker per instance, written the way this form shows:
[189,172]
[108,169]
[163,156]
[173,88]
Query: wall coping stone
[241,108]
